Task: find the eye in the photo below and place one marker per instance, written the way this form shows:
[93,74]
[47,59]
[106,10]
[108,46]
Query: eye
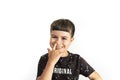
[64,38]
[53,36]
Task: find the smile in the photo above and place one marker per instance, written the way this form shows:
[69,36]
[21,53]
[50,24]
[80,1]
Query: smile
[59,47]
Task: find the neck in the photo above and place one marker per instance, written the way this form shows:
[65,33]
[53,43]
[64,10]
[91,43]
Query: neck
[65,54]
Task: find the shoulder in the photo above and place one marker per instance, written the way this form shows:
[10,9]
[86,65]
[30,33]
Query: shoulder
[44,57]
[75,55]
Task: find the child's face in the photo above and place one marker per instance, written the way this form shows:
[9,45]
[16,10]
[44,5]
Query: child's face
[62,38]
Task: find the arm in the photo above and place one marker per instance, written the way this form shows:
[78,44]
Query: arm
[88,71]
[47,73]
[53,57]
[94,76]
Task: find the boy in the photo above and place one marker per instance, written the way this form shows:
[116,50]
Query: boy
[59,63]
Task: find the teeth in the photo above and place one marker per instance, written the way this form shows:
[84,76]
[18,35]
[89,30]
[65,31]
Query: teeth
[58,47]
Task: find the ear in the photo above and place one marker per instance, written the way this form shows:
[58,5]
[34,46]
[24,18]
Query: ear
[72,39]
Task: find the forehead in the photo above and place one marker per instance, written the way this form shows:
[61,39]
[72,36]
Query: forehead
[60,33]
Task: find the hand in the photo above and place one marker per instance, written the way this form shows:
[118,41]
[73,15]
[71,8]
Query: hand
[54,55]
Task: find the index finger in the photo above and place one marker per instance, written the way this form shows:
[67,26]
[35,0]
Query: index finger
[54,47]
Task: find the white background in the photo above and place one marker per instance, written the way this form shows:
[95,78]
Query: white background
[24,34]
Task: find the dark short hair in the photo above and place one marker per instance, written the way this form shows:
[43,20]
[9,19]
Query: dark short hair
[63,25]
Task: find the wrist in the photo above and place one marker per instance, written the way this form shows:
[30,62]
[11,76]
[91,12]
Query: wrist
[51,63]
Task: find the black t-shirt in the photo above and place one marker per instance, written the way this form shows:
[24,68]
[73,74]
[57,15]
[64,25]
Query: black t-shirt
[67,68]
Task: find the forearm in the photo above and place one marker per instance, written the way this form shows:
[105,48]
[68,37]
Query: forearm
[47,73]
[97,79]
[95,76]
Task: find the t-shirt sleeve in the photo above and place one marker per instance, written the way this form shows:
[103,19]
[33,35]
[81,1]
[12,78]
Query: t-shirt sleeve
[41,65]
[85,68]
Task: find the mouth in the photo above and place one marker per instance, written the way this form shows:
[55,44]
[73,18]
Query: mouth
[58,47]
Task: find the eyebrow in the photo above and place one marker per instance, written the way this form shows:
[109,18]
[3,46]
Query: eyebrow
[62,36]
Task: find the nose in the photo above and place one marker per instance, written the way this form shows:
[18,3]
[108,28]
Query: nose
[58,41]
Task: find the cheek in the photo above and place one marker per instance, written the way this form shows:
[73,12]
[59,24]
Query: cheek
[52,42]
[67,44]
